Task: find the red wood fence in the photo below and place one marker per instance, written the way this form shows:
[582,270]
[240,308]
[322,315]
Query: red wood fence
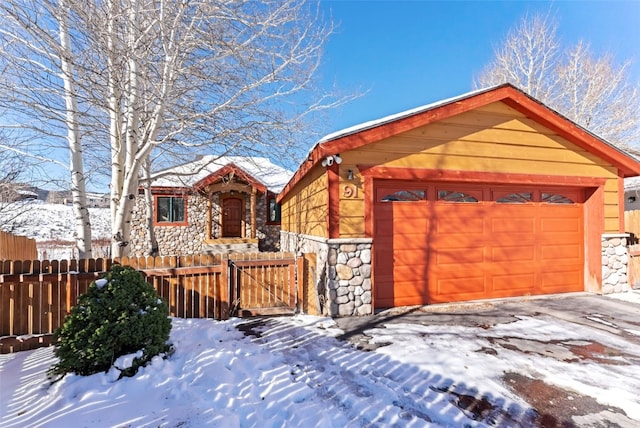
[35,296]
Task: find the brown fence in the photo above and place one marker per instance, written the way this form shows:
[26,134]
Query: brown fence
[634,266]
[35,296]
[13,247]
[632,225]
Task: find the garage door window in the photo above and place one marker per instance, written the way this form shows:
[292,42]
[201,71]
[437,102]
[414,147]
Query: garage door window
[515,198]
[554,198]
[452,196]
[404,196]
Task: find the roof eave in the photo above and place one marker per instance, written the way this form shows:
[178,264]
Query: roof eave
[507,93]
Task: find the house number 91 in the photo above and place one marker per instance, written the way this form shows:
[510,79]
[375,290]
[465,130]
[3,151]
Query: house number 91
[349,191]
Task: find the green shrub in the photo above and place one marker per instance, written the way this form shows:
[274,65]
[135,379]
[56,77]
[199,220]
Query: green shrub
[119,315]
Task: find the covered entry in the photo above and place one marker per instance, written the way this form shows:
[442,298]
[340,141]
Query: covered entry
[444,242]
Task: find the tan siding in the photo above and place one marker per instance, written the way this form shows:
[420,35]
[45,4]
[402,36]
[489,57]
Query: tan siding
[305,210]
[494,138]
[351,220]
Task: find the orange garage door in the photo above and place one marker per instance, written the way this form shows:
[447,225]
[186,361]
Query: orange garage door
[437,243]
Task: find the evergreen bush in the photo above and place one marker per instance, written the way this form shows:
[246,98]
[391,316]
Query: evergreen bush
[119,315]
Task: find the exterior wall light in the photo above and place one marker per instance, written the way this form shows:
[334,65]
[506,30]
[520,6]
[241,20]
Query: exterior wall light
[329,160]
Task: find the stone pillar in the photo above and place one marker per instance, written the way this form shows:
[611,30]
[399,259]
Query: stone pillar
[615,261]
[343,277]
[349,277]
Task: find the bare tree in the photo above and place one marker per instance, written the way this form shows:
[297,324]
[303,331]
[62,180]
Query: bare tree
[14,193]
[170,78]
[39,92]
[591,90]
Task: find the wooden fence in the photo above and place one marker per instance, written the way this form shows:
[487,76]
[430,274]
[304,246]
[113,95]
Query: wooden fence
[35,296]
[632,225]
[13,247]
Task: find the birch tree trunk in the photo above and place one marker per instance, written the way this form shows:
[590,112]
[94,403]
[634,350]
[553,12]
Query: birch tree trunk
[78,187]
[171,78]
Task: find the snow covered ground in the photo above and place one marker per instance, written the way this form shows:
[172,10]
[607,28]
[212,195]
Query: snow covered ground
[294,372]
[53,227]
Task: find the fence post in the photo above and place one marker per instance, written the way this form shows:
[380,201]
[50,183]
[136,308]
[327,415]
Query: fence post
[300,278]
[224,303]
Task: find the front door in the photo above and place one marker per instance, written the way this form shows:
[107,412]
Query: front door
[232,217]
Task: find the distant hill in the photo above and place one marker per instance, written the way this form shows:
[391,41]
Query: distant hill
[53,228]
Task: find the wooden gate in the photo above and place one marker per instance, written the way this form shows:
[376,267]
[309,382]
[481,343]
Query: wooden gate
[265,286]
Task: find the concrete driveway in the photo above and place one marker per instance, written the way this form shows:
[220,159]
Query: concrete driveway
[556,406]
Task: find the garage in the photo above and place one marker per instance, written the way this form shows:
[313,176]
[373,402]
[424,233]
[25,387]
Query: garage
[445,242]
[487,195]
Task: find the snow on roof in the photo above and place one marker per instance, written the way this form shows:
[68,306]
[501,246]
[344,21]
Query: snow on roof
[27,193]
[262,169]
[393,117]
[632,183]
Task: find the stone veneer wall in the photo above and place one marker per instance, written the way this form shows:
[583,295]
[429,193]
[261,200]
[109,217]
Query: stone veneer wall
[187,240]
[344,271]
[172,240]
[615,261]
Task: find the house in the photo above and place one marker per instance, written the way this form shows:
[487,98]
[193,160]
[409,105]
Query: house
[213,204]
[97,200]
[487,195]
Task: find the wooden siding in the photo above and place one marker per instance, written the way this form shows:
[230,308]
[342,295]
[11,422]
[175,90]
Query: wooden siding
[305,210]
[494,138]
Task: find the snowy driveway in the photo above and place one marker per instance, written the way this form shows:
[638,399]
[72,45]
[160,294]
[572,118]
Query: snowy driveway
[573,377]
[567,361]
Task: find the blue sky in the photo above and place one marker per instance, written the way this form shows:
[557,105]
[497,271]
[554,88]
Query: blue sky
[409,53]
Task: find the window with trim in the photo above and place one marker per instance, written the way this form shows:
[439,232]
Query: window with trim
[170,209]
[516,198]
[273,214]
[554,198]
[455,196]
[404,196]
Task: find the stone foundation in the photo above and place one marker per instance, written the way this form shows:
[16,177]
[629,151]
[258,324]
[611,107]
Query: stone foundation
[615,261]
[344,271]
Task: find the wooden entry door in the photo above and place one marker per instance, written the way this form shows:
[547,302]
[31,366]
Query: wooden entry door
[232,217]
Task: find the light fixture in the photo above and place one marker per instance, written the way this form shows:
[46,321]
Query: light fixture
[350,176]
[329,160]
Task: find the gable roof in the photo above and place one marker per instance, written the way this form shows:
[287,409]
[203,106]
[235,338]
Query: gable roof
[230,169]
[376,130]
[256,170]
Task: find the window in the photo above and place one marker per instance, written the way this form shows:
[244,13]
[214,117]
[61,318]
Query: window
[451,196]
[515,198]
[554,198]
[170,209]
[404,196]
[273,216]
